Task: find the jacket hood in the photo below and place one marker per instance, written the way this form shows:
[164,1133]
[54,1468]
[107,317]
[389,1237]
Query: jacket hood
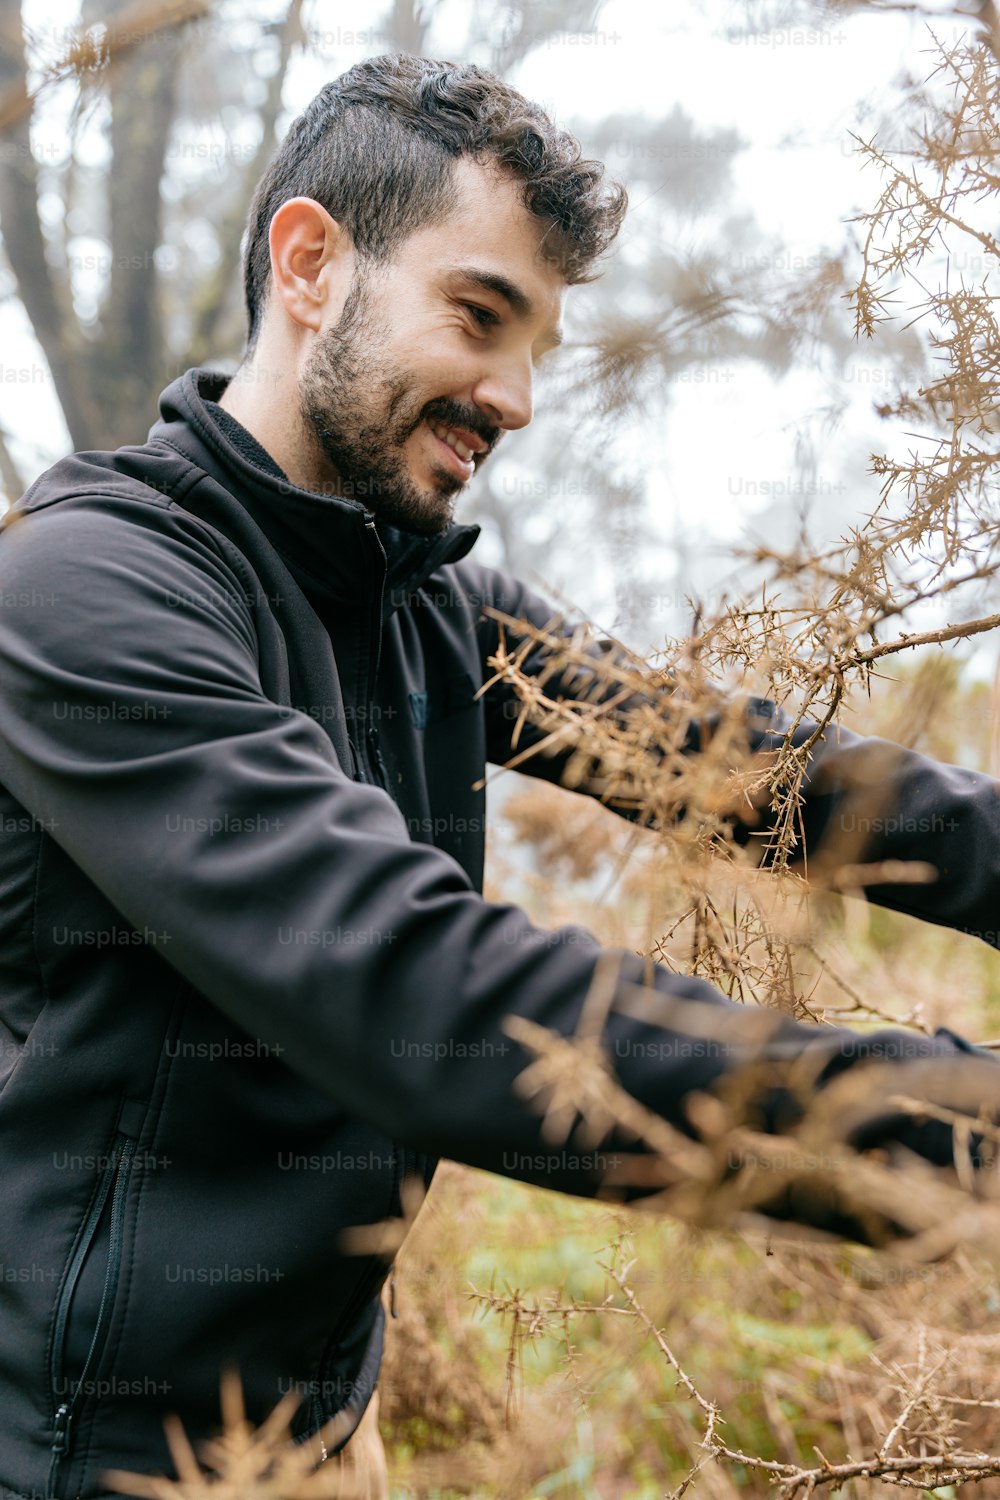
[321,537]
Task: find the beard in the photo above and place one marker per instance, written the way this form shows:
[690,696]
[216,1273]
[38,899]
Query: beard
[361,409]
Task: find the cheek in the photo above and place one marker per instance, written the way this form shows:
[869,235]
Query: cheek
[437,361]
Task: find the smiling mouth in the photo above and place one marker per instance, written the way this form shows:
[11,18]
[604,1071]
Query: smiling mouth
[457,456]
[449,436]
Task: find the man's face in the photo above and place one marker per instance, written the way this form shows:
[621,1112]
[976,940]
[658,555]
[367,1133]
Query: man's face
[432,356]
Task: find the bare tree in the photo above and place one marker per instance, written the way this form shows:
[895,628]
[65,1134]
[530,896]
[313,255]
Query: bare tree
[133,60]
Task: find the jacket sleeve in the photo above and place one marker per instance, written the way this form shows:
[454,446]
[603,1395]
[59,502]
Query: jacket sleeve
[135,726]
[870,803]
[867,802]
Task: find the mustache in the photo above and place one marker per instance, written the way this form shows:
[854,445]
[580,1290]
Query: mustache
[454,414]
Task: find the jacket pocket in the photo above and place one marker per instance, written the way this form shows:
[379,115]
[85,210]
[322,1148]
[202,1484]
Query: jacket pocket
[333,1390]
[87,1296]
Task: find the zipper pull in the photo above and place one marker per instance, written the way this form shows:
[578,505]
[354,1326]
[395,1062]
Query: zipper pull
[357,766]
[377,757]
[60,1439]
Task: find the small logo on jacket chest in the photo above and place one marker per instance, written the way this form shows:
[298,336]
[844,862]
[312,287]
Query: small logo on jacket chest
[457,693]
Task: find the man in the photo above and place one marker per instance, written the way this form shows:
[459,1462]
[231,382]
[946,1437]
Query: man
[249,982]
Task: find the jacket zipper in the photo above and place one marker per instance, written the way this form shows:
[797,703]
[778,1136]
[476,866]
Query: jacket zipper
[376,755]
[370,767]
[372,754]
[114,1183]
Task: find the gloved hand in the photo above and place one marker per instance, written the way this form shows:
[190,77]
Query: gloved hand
[855,1157]
[931,1106]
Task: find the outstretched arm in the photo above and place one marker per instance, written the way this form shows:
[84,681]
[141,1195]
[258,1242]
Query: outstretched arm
[867,802]
[132,702]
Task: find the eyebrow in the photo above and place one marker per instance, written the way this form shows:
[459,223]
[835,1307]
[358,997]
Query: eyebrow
[519,301]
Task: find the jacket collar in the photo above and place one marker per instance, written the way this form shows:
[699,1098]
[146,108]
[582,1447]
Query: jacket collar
[324,539]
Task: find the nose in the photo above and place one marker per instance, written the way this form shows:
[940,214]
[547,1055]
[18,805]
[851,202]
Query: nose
[505,394]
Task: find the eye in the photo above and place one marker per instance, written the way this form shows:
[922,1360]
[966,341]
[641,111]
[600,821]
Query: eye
[482,316]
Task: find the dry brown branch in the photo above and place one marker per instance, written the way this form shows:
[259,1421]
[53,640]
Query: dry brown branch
[245,1462]
[928,638]
[94,50]
[917,1389]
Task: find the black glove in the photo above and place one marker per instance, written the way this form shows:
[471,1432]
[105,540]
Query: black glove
[874,1096]
[964,1085]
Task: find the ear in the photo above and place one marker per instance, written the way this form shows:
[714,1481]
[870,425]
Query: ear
[312,261]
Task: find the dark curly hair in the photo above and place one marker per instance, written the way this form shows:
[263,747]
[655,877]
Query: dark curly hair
[376,148]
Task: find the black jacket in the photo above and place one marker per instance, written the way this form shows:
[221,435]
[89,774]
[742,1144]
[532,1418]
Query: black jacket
[247,978]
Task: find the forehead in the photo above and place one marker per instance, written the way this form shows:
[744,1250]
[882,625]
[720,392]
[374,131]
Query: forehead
[488,224]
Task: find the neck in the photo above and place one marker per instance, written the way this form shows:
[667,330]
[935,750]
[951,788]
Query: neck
[263,396]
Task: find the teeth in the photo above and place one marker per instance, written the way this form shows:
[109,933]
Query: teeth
[447,436]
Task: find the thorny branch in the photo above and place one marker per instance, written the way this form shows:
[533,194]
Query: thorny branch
[664,742]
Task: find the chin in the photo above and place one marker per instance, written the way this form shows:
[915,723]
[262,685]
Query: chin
[431,510]
[425,515]
[431,522]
